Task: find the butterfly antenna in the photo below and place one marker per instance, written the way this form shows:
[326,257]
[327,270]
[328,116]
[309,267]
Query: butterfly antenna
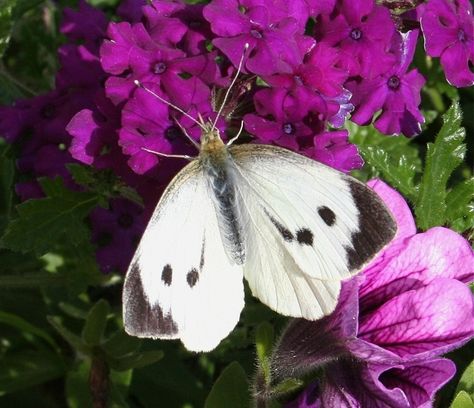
[140,85]
[226,96]
[237,135]
[183,129]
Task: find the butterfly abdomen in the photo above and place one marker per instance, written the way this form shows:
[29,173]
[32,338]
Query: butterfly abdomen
[222,188]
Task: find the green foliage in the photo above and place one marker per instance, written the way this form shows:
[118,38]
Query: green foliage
[466,383]
[442,158]
[57,219]
[6,24]
[231,390]
[462,400]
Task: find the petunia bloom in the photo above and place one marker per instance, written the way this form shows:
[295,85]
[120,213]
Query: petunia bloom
[382,345]
[448,27]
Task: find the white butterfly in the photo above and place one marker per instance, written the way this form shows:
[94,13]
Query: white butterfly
[293,227]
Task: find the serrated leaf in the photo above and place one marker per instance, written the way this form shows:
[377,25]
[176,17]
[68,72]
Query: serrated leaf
[135,360]
[55,220]
[442,158]
[95,324]
[462,400]
[400,174]
[466,382]
[231,389]
[24,326]
[28,368]
[458,200]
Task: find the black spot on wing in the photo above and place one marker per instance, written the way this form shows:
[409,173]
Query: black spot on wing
[192,277]
[140,318]
[327,215]
[284,232]
[376,226]
[304,236]
[167,274]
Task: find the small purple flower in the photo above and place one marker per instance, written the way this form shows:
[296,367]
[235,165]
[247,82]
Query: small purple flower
[335,150]
[448,27]
[291,120]
[362,30]
[116,232]
[273,29]
[396,93]
[381,346]
[86,24]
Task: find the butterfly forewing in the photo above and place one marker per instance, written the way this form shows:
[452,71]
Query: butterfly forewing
[180,283]
[310,227]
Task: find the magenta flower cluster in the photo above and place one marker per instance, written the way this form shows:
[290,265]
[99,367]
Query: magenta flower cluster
[382,346]
[309,66]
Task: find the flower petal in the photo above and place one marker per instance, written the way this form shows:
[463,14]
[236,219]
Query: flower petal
[425,322]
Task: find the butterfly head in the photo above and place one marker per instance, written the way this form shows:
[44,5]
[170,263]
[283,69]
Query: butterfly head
[211,141]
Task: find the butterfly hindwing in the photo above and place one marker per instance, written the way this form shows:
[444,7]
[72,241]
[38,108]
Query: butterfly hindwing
[180,283]
[323,227]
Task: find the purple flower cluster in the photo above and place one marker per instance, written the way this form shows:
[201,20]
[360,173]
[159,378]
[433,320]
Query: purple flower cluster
[448,27]
[308,66]
[382,345]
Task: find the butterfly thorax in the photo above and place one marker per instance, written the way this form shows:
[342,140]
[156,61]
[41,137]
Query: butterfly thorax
[220,170]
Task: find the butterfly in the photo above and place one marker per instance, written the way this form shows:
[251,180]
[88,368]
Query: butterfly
[293,227]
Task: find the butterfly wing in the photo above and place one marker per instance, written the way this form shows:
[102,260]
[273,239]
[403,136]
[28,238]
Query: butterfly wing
[180,283]
[309,226]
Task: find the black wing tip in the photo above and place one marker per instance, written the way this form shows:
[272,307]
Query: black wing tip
[141,319]
[377,226]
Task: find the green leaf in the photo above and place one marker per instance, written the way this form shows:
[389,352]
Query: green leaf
[466,382]
[73,339]
[458,200]
[78,393]
[28,368]
[23,325]
[442,158]
[400,174]
[462,400]
[55,220]
[231,389]
[395,158]
[264,341]
[135,360]
[104,183]
[95,324]
[120,344]
[6,23]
